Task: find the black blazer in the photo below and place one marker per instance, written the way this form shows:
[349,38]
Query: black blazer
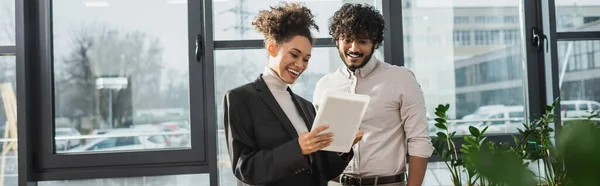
[263,143]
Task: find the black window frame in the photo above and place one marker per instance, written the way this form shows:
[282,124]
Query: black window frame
[34,90]
[37,159]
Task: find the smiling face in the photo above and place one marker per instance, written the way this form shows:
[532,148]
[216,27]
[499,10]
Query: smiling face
[289,59]
[355,53]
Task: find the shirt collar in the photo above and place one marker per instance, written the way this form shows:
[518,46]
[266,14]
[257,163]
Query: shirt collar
[273,81]
[365,70]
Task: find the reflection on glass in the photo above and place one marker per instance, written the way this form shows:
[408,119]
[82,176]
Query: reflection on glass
[579,79]
[8,120]
[120,79]
[467,54]
[188,179]
[7,22]
[233,18]
[577,15]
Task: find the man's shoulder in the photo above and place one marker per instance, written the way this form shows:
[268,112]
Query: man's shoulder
[395,70]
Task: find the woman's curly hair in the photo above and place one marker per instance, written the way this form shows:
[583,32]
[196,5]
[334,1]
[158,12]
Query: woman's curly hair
[281,23]
[357,21]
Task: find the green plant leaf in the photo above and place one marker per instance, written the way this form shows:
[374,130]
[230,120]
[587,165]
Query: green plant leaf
[520,131]
[440,120]
[447,107]
[483,131]
[474,131]
[440,114]
[482,141]
[441,126]
[549,130]
[548,108]
[550,120]
[445,156]
[442,135]
[470,140]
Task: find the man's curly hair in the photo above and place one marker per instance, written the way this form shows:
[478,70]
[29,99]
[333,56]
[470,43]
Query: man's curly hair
[281,23]
[357,21]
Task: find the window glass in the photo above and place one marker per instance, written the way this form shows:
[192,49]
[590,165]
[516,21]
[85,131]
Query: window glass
[476,79]
[7,22]
[118,74]
[577,15]
[8,118]
[581,87]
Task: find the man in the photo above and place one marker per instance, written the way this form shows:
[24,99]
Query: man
[395,123]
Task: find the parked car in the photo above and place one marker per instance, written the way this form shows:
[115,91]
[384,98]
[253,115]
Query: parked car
[62,145]
[137,141]
[505,119]
[578,108]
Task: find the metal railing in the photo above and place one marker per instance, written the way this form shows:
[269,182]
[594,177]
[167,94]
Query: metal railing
[137,134]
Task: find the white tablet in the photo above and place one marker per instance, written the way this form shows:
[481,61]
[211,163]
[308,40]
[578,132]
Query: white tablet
[343,112]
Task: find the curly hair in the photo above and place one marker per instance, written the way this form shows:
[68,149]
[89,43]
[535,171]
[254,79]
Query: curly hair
[281,23]
[357,21]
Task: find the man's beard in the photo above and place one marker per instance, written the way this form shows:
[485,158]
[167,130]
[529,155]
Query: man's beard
[352,68]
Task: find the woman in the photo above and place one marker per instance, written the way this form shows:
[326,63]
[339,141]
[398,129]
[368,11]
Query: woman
[267,124]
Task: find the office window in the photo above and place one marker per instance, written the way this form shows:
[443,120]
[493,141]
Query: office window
[233,18]
[8,120]
[511,37]
[462,38]
[116,97]
[473,82]
[461,20]
[495,37]
[481,37]
[118,75]
[7,22]
[511,19]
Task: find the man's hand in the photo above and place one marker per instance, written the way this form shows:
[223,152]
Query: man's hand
[313,141]
[358,137]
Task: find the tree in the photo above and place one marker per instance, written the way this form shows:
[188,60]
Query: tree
[101,52]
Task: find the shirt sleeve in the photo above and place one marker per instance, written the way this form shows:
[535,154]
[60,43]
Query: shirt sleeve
[413,114]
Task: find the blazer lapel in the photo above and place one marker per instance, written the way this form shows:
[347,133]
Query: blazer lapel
[301,109]
[269,99]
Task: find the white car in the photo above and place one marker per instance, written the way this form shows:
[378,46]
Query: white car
[62,145]
[137,141]
[578,108]
[498,120]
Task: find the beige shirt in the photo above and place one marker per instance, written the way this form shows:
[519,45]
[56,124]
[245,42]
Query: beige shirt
[279,90]
[395,122]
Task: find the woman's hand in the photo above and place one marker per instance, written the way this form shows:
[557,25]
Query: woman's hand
[313,141]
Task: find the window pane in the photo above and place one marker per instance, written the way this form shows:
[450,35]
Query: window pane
[7,22]
[173,180]
[579,88]
[480,80]
[233,19]
[121,77]
[577,15]
[8,120]
[237,67]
